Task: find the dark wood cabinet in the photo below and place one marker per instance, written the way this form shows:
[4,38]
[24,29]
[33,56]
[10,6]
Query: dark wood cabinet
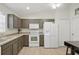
[16,22]
[19,44]
[24,23]
[41,40]
[13,21]
[6,49]
[26,40]
[13,47]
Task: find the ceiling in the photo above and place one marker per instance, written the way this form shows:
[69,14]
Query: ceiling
[20,8]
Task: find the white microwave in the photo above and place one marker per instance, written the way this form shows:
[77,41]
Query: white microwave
[33,26]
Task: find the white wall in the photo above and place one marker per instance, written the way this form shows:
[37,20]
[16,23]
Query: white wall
[62,11]
[5,10]
[73,6]
[62,18]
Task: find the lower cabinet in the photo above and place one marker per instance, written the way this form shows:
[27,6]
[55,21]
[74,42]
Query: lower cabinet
[15,47]
[20,44]
[26,40]
[12,47]
[41,40]
[6,49]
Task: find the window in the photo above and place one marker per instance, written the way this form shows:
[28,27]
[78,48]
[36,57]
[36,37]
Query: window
[2,23]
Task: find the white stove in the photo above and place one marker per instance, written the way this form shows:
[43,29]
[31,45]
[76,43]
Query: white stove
[34,35]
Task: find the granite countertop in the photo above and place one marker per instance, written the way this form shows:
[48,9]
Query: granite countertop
[6,39]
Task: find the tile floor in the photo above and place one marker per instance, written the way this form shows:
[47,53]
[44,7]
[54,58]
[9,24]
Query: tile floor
[42,51]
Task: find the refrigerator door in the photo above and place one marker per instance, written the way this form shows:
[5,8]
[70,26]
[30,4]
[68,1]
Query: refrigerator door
[50,35]
[47,27]
[46,41]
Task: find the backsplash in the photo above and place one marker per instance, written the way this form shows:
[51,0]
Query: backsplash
[14,31]
[27,30]
[9,32]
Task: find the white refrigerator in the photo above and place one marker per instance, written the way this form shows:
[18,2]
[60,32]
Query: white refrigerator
[50,30]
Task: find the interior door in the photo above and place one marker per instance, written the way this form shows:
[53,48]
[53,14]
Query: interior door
[75,29]
[64,31]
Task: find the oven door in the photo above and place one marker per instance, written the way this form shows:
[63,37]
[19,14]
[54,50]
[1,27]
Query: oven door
[33,40]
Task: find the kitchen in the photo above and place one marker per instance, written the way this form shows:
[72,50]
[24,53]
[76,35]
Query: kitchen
[26,27]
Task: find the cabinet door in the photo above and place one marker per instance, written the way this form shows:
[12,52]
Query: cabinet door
[26,40]
[7,50]
[25,23]
[19,44]
[15,47]
[41,40]
[22,41]
[15,21]
[19,23]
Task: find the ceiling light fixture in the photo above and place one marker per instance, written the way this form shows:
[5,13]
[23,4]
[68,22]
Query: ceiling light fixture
[58,5]
[27,8]
[55,5]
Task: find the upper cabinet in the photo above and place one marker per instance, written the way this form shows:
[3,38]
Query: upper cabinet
[25,23]
[13,21]
[16,22]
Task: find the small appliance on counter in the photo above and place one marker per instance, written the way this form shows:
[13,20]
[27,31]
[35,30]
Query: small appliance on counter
[34,35]
[19,30]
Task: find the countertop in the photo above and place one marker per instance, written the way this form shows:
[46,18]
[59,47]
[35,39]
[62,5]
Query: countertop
[6,39]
